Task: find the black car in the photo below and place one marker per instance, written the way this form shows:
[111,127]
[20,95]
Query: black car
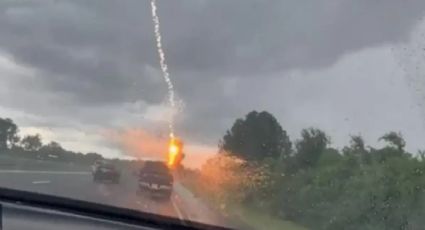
[156,178]
[106,172]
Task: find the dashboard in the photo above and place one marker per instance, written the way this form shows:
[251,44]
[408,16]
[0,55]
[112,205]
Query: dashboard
[35,211]
[18,217]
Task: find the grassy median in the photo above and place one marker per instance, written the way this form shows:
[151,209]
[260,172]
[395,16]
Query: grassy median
[259,220]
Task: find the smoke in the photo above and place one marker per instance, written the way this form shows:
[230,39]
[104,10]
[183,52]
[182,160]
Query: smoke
[163,64]
[197,155]
[140,143]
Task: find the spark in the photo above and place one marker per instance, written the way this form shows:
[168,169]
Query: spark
[174,152]
[164,67]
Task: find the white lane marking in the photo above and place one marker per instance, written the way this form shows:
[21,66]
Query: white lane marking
[41,182]
[45,172]
[177,209]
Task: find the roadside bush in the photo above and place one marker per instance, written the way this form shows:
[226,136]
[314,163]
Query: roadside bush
[387,195]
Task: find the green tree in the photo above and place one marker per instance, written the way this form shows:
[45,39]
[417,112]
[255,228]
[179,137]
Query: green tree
[330,156]
[31,142]
[8,133]
[395,140]
[395,148]
[90,158]
[358,149]
[357,143]
[310,148]
[257,137]
[52,149]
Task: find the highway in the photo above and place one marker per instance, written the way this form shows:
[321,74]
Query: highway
[79,185]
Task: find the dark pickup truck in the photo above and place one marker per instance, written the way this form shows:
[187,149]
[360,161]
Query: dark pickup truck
[156,179]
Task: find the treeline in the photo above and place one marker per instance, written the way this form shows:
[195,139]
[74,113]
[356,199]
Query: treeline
[309,182]
[32,147]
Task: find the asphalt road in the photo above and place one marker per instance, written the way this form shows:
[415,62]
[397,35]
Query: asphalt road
[79,185]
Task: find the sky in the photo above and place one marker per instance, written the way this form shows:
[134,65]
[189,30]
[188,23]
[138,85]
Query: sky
[86,73]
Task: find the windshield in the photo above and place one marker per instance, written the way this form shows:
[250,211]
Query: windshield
[264,114]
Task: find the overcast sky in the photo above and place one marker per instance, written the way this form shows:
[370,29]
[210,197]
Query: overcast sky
[75,70]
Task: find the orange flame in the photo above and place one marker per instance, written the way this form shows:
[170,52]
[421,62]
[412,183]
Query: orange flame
[174,152]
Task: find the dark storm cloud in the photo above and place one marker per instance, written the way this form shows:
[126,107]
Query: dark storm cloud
[81,51]
[211,106]
[103,52]
[254,37]
[224,37]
